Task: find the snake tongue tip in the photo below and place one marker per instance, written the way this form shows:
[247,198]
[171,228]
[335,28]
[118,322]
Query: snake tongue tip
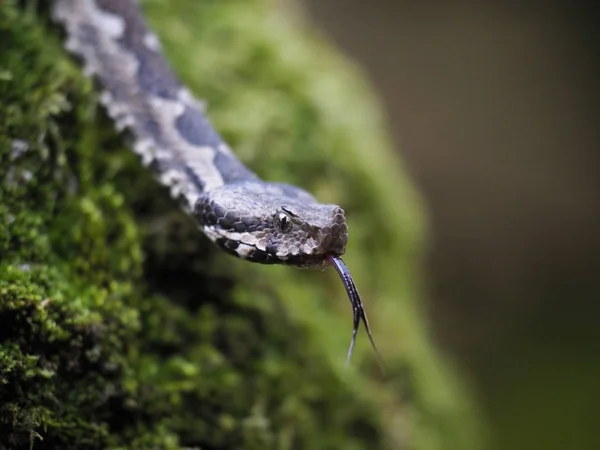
[357,306]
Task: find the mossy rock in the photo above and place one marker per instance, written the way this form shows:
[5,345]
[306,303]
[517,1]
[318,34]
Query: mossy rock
[122,327]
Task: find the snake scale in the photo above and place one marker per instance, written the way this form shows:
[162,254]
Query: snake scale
[269,223]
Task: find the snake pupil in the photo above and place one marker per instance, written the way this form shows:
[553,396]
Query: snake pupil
[283,222]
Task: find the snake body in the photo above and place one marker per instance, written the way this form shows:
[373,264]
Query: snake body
[245,216]
[258,221]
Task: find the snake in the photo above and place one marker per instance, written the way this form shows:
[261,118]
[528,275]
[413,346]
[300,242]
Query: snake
[251,219]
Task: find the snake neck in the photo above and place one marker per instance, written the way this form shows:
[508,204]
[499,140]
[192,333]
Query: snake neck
[143,96]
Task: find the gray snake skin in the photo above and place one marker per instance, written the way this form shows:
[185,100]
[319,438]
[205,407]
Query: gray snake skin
[270,223]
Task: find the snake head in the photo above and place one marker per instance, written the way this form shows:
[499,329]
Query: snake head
[272,223]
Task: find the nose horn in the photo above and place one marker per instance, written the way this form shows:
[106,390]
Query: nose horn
[335,234]
[337,215]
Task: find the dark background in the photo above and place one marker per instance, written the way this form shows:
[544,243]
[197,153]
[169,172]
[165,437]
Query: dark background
[495,110]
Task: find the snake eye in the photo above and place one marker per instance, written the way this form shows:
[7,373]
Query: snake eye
[283,222]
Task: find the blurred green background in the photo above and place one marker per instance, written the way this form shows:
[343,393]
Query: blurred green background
[494,106]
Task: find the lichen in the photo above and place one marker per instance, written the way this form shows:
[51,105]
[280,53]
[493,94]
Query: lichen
[122,327]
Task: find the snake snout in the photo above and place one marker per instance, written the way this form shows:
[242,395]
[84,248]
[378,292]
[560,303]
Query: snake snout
[334,236]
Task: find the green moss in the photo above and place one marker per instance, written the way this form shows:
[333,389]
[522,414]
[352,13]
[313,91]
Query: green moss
[121,327]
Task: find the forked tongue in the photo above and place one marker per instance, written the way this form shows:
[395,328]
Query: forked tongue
[357,306]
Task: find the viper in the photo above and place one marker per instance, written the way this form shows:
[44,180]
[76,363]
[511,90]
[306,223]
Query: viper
[257,221]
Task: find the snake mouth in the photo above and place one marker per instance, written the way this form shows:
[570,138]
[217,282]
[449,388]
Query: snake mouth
[333,245]
[269,256]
